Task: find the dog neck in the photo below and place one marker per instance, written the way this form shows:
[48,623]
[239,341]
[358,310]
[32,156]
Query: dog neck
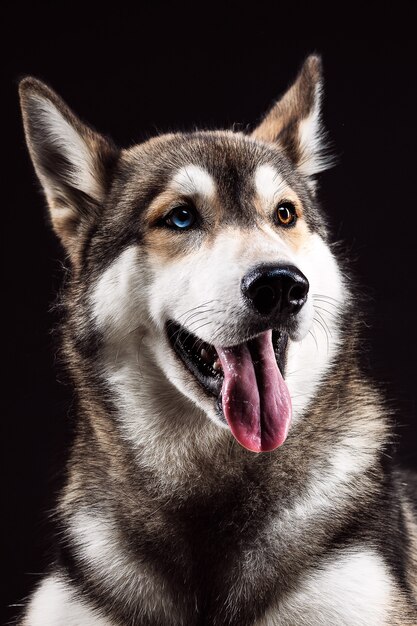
[161,433]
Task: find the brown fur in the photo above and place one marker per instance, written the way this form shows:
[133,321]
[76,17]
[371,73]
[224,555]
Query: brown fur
[216,529]
[281,123]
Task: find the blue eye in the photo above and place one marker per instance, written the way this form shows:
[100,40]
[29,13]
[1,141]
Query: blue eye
[181,218]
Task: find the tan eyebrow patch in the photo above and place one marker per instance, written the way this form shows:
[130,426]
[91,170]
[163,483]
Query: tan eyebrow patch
[161,205]
[163,242]
[298,236]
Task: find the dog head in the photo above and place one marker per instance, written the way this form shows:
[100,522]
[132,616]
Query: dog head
[207,249]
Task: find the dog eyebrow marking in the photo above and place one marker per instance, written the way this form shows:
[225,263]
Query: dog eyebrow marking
[194,180]
[269,183]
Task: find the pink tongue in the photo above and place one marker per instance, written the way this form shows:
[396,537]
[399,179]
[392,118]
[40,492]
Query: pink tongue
[256,400]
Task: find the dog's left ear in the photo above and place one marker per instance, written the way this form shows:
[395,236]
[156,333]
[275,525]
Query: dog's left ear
[294,121]
[74,163]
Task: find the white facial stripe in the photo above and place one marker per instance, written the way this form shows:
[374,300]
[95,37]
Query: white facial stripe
[206,284]
[67,140]
[194,180]
[118,299]
[125,298]
[196,291]
[269,184]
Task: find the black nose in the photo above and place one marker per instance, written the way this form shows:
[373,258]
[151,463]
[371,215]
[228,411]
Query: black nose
[275,289]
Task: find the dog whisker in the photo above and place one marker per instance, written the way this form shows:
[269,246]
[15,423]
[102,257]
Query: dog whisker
[324,323]
[331,313]
[310,332]
[198,307]
[333,301]
[320,323]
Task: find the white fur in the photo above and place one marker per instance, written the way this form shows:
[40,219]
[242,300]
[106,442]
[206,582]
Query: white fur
[331,485]
[55,604]
[206,284]
[123,301]
[222,313]
[327,491]
[309,359]
[351,589]
[194,180]
[142,390]
[310,137]
[163,413]
[95,536]
[211,279]
[58,131]
[140,366]
[159,403]
[269,183]
[119,297]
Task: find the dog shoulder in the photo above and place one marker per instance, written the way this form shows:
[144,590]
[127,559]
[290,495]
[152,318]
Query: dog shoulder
[354,588]
[56,603]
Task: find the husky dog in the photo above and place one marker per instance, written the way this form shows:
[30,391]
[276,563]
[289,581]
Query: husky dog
[230,463]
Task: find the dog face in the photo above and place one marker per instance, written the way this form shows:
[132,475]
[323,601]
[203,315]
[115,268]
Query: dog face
[204,252]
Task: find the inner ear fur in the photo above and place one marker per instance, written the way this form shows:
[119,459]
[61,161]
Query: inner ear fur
[294,121]
[73,162]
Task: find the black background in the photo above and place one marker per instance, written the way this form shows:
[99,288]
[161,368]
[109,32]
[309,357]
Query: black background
[133,73]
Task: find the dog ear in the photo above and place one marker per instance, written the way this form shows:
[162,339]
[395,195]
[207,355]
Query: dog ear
[294,122]
[72,161]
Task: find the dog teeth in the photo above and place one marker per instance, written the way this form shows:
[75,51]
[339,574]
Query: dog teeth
[208,357]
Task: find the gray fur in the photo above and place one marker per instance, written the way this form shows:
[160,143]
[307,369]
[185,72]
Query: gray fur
[204,532]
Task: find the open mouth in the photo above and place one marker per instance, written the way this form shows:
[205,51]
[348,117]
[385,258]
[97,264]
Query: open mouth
[247,381]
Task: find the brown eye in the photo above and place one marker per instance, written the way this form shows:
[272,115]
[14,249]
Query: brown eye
[286,215]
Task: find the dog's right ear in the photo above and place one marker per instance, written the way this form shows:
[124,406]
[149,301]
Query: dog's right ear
[73,162]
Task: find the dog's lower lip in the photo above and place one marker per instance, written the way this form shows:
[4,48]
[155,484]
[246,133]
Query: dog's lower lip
[201,358]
